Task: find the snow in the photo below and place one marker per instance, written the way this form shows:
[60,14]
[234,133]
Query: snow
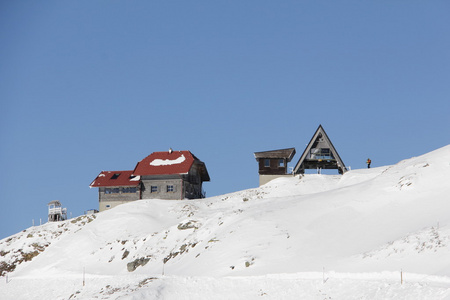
[355,236]
[136,178]
[168,162]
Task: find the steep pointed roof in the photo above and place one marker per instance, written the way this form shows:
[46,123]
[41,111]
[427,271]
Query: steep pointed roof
[320,153]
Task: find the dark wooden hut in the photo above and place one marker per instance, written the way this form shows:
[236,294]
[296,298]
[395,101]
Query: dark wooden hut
[273,164]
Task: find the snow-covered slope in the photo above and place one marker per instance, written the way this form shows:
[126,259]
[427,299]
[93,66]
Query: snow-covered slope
[309,237]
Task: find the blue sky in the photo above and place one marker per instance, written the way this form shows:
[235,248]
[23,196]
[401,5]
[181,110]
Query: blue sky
[87,86]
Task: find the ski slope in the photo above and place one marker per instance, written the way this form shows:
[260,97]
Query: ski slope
[380,233]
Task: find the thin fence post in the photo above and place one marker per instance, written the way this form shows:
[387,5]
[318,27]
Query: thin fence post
[84,275]
[401,276]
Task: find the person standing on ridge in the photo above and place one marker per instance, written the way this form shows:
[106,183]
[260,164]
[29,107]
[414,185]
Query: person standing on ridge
[368,163]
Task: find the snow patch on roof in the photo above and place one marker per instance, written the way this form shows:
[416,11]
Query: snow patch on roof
[168,162]
[136,178]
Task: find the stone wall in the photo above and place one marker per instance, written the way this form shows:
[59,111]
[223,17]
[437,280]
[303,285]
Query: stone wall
[110,196]
[263,179]
[166,188]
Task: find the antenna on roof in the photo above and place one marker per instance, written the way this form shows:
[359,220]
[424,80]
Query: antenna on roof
[170,150]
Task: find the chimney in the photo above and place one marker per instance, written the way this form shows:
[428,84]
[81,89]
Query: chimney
[170,150]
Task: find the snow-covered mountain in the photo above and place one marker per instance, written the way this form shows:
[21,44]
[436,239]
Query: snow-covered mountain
[351,236]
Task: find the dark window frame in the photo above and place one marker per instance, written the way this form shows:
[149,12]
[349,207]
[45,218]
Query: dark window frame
[129,190]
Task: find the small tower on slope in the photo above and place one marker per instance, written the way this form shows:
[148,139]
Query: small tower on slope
[56,212]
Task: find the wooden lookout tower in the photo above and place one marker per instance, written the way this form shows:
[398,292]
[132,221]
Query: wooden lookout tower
[320,154]
[56,212]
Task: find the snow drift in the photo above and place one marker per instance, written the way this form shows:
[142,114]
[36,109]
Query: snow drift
[348,236]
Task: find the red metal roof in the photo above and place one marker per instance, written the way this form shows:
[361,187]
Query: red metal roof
[165,163]
[115,178]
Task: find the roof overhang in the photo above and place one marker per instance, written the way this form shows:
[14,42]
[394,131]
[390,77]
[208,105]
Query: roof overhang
[287,154]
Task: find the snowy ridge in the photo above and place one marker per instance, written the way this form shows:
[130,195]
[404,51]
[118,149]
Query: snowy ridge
[313,237]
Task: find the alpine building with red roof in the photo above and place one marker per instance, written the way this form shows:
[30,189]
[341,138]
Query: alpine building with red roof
[169,175]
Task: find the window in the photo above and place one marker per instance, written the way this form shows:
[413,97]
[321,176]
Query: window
[170,188]
[153,189]
[321,153]
[129,190]
[266,162]
[281,163]
[112,190]
[115,176]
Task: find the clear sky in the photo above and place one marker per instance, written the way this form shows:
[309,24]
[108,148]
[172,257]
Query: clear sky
[87,86]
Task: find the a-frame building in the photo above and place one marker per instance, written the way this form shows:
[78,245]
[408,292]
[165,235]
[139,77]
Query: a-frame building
[320,154]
